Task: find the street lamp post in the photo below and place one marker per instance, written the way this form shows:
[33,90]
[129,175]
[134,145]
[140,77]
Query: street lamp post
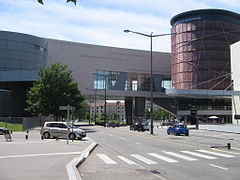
[105,96]
[151,69]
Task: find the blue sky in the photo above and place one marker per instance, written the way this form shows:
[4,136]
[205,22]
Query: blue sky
[101,22]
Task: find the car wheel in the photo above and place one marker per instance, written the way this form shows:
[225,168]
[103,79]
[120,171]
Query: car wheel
[175,133]
[72,136]
[46,135]
[79,138]
[168,133]
[187,134]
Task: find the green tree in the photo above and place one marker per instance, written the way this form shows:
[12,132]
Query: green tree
[53,88]
[74,1]
[160,114]
[83,112]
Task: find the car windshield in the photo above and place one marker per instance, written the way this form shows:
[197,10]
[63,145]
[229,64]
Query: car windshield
[71,126]
[181,126]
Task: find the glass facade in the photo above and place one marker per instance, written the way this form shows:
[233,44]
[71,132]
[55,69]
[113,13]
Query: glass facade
[129,81]
[21,56]
[201,48]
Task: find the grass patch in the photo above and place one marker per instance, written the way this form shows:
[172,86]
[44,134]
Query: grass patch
[11,126]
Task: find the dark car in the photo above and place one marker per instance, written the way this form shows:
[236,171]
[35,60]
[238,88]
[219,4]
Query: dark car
[178,129]
[111,124]
[3,131]
[140,126]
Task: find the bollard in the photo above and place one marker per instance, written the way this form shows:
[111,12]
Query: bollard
[229,145]
[26,136]
[42,137]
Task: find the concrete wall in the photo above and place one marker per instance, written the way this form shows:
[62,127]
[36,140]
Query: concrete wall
[83,59]
[235,65]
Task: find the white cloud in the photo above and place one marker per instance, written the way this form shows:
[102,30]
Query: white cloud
[98,22]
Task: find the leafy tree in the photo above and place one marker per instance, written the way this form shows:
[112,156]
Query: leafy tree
[147,113]
[160,114]
[53,88]
[74,1]
[83,112]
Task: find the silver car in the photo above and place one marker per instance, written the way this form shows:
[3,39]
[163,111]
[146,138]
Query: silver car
[61,129]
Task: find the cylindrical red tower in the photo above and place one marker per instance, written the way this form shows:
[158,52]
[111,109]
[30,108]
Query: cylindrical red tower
[201,48]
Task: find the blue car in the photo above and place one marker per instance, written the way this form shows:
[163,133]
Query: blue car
[178,129]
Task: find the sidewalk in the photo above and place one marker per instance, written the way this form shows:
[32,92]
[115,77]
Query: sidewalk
[39,159]
[231,128]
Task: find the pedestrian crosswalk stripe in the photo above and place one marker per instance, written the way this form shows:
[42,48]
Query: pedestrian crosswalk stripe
[106,159]
[126,160]
[141,158]
[199,155]
[162,157]
[180,156]
[216,154]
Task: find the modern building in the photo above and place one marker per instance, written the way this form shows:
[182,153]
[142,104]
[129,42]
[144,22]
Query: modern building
[198,68]
[115,110]
[201,61]
[235,64]
[125,72]
[21,56]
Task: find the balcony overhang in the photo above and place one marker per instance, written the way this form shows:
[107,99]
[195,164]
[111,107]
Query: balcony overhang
[5,90]
[201,93]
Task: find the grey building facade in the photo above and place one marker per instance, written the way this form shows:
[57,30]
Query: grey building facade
[235,64]
[127,71]
[21,56]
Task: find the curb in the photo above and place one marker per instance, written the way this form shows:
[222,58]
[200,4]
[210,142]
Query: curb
[216,130]
[71,167]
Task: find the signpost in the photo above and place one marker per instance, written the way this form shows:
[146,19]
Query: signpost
[68,108]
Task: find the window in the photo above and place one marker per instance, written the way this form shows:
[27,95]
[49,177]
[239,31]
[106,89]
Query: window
[39,48]
[134,85]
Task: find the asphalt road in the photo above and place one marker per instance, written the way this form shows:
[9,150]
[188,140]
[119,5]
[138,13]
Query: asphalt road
[124,154]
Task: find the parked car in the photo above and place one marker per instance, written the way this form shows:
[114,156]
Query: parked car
[141,126]
[178,129]
[111,124]
[61,129]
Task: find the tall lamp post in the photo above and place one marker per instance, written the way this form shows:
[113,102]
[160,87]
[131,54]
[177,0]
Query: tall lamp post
[105,96]
[151,69]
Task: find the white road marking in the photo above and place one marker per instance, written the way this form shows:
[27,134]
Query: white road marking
[122,138]
[226,151]
[110,135]
[199,155]
[141,158]
[34,155]
[218,167]
[138,143]
[180,156]
[216,154]
[235,148]
[26,142]
[106,159]
[162,157]
[126,160]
